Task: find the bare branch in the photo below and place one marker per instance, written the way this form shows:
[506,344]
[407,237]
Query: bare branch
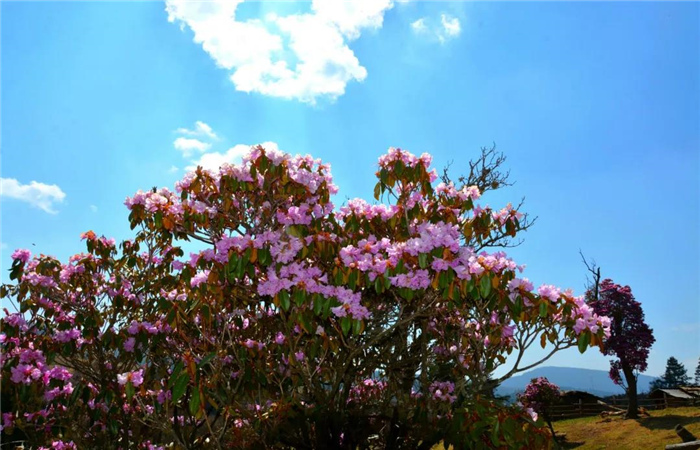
[594,285]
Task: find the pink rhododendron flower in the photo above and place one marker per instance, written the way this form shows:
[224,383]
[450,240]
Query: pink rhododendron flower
[21,255]
[129,344]
[136,378]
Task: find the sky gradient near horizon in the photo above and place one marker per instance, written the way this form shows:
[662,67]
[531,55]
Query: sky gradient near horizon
[596,105]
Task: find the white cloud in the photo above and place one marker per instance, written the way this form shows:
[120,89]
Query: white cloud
[419,25]
[449,28]
[189,145]
[297,56]
[40,195]
[214,160]
[200,129]
[93,208]
[173,169]
[450,25]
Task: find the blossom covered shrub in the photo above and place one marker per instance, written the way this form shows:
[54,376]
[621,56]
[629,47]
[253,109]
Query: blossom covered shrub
[539,396]
[297,324]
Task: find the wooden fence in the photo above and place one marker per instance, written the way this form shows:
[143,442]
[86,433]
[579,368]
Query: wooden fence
[586,409]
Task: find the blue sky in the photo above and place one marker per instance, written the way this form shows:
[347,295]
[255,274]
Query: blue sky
[596,105]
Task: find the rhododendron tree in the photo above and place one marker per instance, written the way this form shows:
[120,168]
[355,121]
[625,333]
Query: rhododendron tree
[630,337]
[539,397]
[294,323]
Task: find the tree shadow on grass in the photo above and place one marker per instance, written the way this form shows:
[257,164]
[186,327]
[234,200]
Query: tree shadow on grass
[667,422]
[567,444]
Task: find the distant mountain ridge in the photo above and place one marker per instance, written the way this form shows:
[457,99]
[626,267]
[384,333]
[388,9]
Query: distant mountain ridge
[596,382]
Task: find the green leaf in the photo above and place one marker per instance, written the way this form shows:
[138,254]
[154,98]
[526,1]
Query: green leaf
[485,286]
[176,371]
[299,297]
[318,305]
[114,427]
[129,390]
[377,190]
[518,306]
[194,402]
[423,260]
[296,230]
[378,285]
[305,323]
[543,309]
[345,324]
[180,386]
[442,280]
[206,360]
[352,279]
[583,340]
[358,326]
[159,219]
[284,300]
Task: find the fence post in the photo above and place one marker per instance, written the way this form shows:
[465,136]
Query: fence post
[580,407]
[665,401]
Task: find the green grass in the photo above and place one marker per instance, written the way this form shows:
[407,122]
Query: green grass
[653,432]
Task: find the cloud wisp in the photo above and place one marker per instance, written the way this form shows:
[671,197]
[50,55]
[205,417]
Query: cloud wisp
[302,56]
[197,151]
[200,129]
[39,195]
[214,160]
[189,146]
[448,28]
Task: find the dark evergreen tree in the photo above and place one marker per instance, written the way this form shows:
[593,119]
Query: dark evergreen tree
[675,376]
[697,374]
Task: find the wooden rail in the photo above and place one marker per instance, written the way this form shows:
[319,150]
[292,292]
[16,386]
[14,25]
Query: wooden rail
[581,409]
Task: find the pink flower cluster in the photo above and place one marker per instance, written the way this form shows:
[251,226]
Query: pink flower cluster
[366,390]
[464,194]
[586,319]
[313,281]
[60,445]
[303,214]
[360,208]
[67,335]
[505,214]
[199,278]
[443,391]
[162,200]
[375,256]
[552,293]
[409,159]
[135,327]
[22,255]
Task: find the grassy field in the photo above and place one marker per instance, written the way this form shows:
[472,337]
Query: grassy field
[653,432]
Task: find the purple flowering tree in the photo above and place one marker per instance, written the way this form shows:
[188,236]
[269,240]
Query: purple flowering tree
[293,322]
[630,337]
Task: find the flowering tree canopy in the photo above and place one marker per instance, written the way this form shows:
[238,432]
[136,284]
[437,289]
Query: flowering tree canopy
[630,337]
[296,325]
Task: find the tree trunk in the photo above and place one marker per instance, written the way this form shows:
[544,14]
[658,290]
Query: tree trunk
[632,409]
